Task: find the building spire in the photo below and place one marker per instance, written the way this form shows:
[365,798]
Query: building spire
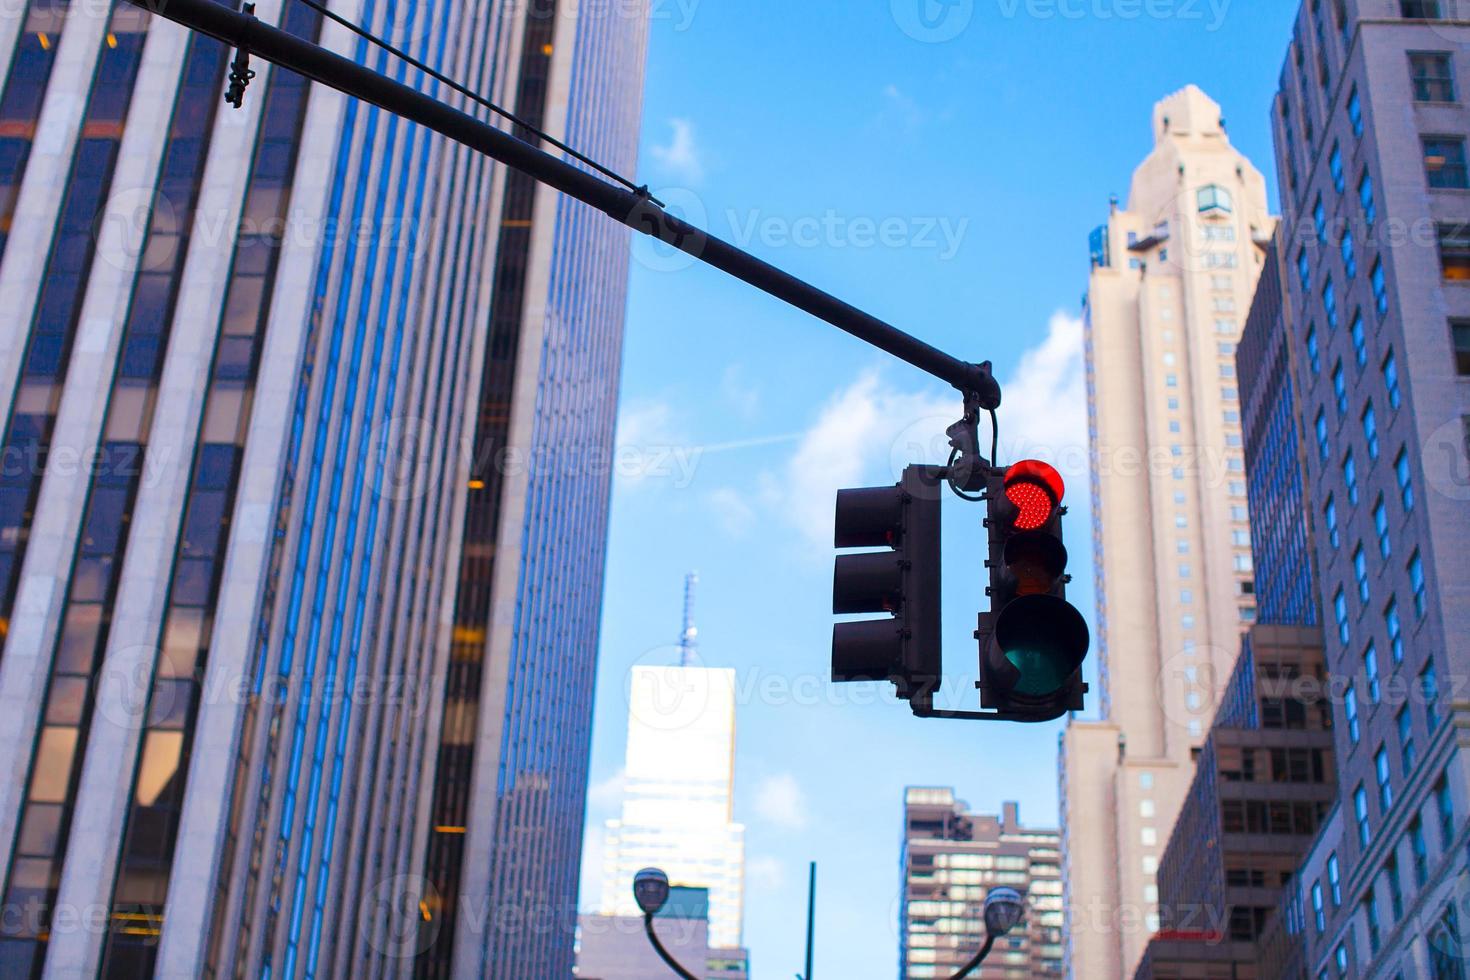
[687,644]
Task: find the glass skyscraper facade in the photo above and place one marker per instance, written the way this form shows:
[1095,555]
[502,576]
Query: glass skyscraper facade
[278,387]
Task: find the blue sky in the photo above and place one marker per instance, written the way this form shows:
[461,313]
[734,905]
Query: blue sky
[943,177]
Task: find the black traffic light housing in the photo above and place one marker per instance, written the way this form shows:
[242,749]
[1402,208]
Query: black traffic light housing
[1032,641]
[902,580]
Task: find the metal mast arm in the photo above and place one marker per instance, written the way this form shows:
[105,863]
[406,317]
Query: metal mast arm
[632,208]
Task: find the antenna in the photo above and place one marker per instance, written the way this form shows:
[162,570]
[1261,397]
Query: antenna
[687,643]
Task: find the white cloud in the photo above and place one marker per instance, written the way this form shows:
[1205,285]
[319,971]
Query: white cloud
[680,158]
[732,508]
[765,873]
[607,794]
[899,111]
[1044,412]
[742,396]
[646,423]
[868,431]
[779,800]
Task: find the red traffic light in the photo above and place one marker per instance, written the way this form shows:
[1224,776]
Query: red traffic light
[1036,489]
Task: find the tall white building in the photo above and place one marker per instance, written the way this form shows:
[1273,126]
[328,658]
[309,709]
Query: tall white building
[1173,273]
[678,797]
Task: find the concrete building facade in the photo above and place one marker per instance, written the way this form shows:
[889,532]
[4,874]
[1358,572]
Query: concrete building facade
[1173,272]
[240,424]
[1264,780]
[1371,126]
[951,860]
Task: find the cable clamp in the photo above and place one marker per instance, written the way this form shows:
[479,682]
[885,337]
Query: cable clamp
[240,71]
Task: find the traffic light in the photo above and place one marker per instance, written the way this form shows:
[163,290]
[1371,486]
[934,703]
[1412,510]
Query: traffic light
[901,580]
[1032,642]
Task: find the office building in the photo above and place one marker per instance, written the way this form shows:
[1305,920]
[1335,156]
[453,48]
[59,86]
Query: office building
[258,530]
[951,860]
[1173,272]
[1264,780]
[616,947]
[679,790]
[1371,126]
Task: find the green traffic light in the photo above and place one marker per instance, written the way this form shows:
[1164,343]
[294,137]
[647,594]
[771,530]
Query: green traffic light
[1042,672]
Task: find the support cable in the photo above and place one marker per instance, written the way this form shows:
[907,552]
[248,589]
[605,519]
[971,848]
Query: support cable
[476,98]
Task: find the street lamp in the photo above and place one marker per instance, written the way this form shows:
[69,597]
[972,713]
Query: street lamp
[1003,908]
[651,891]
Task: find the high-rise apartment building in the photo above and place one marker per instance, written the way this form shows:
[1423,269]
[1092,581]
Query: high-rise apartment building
[282,612]
[1371,127]
[1264,779]
[1173,273]
[678,802]
[951,860]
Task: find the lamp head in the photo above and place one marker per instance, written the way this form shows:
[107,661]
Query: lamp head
[1003,908]
[650,890]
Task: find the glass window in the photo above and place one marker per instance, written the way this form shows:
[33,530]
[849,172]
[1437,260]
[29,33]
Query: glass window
[1340,611]
[1360,574]
[1385,784]
[1334,164]
[1395,888]
[1405,480]
[1433,76]
[1360,340]
[1360,813]
[1319,915]
[1419,851]
[1215,198]
[1329,517]
[1314,354]
[1405,723]
[1454,252]
[1444,805]
[1380,288]
[1446,949]
[1420,9]
[1370,911]
[1460,332]
[1444,162]
[1429,688]
[1370,430]
[1395,630]
[1350,476]
[1304,270]
[1366,198]
[1416,579]
[1355,109]
[1334,879]
[1339,388]
[1322,446]
[1349,254]
[1329,302]
[1380,525]
[1319,220]
[1370,670]
[1391,372]
[1350,712]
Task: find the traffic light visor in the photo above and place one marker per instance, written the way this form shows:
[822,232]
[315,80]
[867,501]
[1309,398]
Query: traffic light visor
[1035,489]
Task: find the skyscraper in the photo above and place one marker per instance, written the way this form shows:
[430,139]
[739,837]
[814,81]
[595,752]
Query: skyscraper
[679,783]
[1172,276]
[951,860]
[249,433]
[1371,128]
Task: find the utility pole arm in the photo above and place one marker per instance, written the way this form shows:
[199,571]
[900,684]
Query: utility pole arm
[635,209]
